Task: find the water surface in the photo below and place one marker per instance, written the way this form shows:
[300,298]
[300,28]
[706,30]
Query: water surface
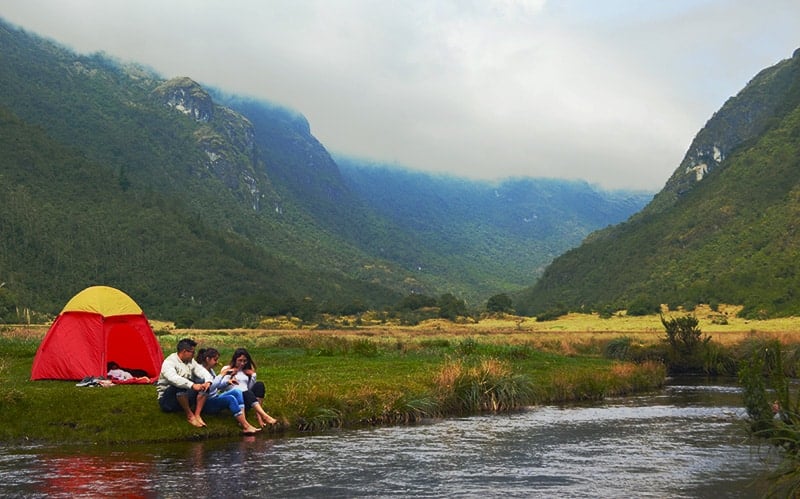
[688,440]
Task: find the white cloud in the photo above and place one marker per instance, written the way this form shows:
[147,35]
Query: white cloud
[612,91]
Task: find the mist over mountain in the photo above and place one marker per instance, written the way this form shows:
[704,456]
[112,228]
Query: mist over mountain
[218,209]
[723,230]
[510,230]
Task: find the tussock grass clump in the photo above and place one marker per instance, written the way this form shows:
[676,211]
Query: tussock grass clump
[564,385]
[468,346]
[408,409]
[313,408]
[316,409]
[322,418]
[488,386]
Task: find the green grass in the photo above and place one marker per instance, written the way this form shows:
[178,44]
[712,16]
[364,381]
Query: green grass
[315,381]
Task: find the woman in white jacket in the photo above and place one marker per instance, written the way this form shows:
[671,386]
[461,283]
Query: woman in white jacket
[218,396]
[242,372]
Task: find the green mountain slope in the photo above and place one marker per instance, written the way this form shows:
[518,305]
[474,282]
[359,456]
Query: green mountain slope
[218,210]
[503,233]
[186,191]
[726,235]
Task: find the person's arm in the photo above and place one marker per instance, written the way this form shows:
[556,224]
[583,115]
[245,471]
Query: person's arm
[170,372]
[219,383]
[200,375]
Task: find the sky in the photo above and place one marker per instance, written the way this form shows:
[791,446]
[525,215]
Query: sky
[607,91]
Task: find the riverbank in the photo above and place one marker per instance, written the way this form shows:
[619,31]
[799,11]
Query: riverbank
[376,373]
[321,379]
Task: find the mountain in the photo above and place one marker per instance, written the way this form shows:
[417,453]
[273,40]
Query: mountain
[112,175]
[218,209]
[723,230]
[501,234]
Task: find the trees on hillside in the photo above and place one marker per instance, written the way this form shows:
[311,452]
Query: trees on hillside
[500,303]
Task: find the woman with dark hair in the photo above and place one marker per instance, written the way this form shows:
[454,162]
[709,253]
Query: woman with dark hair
[217,397]
[241,373]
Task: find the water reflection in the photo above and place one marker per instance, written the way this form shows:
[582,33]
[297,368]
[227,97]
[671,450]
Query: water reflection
[51,473]
[686,441]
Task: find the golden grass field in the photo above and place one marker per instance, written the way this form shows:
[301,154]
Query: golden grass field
[722,325]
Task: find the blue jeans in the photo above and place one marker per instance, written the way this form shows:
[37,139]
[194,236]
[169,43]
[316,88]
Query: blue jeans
[231,400]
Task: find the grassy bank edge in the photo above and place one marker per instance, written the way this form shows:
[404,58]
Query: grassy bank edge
[317,382]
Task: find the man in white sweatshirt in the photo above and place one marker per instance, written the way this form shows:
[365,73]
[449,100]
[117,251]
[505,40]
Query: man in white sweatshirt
[180,381]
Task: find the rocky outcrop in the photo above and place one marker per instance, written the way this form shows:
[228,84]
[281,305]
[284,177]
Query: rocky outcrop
[187,96]
[758,106]
[226,138]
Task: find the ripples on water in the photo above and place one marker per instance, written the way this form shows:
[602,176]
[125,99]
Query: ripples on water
[687,441]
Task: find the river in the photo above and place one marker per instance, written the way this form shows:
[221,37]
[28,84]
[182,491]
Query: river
[688,440]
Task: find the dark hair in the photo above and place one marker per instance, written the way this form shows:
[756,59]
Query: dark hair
[238,353]
[206,353]
[112,365]
[186,344]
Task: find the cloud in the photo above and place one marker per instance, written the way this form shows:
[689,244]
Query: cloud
[611,92]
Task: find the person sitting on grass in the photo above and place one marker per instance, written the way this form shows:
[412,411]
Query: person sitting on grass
[242,370]
[176,386]
[214,399]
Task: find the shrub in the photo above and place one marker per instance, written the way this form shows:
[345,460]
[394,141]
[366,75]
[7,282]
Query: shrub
[451,307]
[689,351]
[500,303]
[618,348]
[643,305]
[773,411]
[468,346]
[551,314]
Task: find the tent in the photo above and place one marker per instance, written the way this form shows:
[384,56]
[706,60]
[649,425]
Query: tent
[98,325]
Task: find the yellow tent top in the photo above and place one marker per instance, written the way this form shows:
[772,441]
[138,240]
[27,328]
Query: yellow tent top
[103,300]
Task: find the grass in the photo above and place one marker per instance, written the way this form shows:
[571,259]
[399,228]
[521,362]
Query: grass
[375,374]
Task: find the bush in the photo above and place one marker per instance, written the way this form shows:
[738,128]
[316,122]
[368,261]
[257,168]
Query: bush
[551,314]
[618,348]
[689,351]
[451,307]
[643,305]
[683,334]
[500,303]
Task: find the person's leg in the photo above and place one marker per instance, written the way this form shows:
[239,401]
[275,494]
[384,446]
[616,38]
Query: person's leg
[236,394]
[259,390]
[250,400]
[264,419]
[198,408]
[184,398]
[235,404]
[247,428]
[168,402]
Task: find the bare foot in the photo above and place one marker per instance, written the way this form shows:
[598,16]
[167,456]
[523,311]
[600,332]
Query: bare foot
[266,420]
[196,422]
[249,429]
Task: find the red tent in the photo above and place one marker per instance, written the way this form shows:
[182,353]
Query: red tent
[98,325]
